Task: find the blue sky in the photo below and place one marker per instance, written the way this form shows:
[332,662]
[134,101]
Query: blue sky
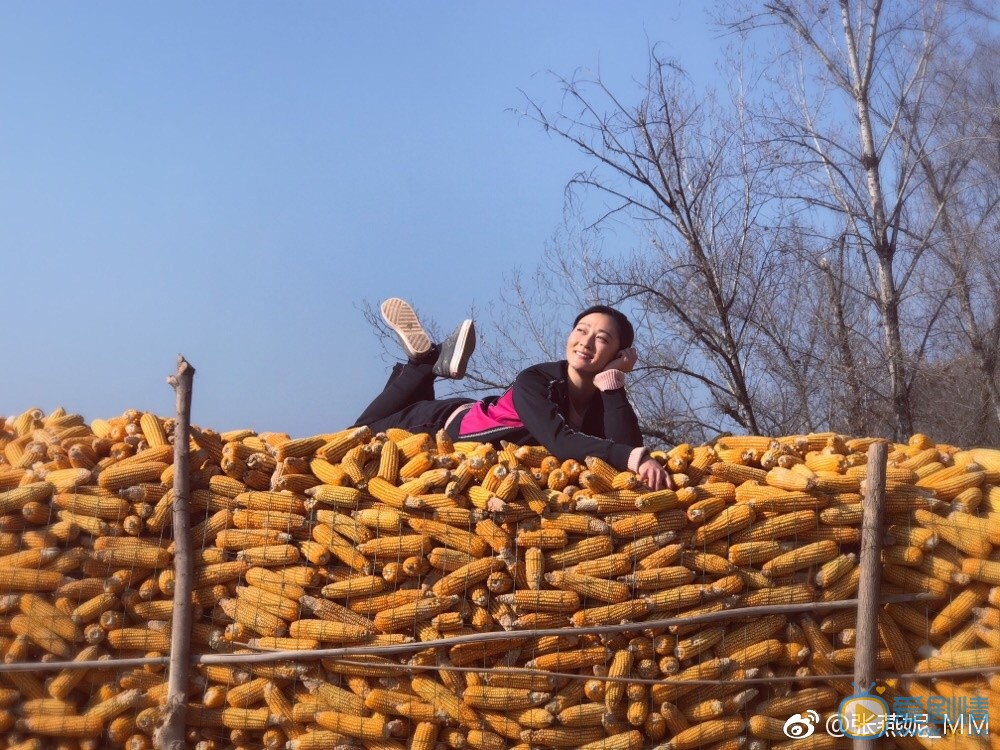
[233,180]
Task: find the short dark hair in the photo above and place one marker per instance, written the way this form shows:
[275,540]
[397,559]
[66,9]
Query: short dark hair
[625,331]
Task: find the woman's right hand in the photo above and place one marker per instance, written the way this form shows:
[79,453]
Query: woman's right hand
[625,360]
[654,476]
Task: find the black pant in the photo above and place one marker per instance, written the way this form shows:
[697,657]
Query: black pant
[407,401]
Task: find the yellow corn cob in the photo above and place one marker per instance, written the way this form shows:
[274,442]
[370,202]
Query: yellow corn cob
[574,523]
[382,518]
[782,525]
[654,502]
[974,657]
[465,577]
[13,500]
[658,579]
[776,500]
[702,510]
[63,683]
[238,539]
[369,605]
[299,447]
[464,654]
[805,556]
[269,519]
[988,617]
[707,562]
[544,539]
[663,557]
[64,480]
[117,704]
[737,474]
[986,527]
[63,726]
[283,582]
[707,732]
[337,445]
[442,699]
[343,549]
[450,536]
[270,601]
[611,501]
[574,553]
[569,660]
[815,698]
[753,632]
[542,601]
[987,571]
[138,639]
[591,587]
[975,545]
[628,740]
[562,738]
[275,555]
[116,477]
[336,495]
[796,593]
[731,520]
[502,699]
[328,630]
[282,502]
[344,525]
[40,611]
[354,586]
[709,669]
[416,465]
[21,579]
[152,430]
[895,641]
[913,580]
[255,719]
[280,707]
[248,694]
[406,615]
[404,545]
[751,553]
[835,569]
[636,525]
[145,556]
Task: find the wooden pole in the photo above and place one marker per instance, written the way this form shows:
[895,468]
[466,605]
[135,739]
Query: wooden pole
[170,735]
[866,644]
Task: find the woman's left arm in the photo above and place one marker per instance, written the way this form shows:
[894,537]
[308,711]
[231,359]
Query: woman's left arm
[621,423]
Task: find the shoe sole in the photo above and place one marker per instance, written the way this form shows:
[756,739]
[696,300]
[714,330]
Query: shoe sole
[464,346]
[400,318]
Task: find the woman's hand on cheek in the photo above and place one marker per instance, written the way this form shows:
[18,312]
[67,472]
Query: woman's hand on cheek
[625,360]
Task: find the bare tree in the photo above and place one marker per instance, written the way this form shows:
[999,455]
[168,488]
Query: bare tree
[684,171]
[863,169]
[962,186]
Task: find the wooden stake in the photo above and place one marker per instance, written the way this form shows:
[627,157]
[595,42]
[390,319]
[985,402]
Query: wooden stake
[170,735]
[866,646]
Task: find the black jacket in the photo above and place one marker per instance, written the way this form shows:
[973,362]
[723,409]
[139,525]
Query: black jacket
[535,409]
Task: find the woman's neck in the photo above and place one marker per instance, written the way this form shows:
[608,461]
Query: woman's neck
[581,386]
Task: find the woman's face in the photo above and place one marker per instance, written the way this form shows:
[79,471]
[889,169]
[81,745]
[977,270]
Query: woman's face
[593,343]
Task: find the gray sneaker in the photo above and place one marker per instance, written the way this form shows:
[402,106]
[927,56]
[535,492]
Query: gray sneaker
[400,317]
[455,351]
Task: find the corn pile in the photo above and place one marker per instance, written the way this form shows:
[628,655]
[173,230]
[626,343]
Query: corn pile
[354,539]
